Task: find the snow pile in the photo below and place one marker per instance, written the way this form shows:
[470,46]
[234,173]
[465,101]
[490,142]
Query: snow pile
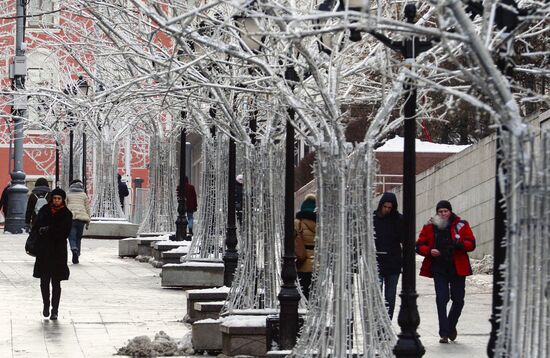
[161,346]
[483,266]
[183,249]
[244,321]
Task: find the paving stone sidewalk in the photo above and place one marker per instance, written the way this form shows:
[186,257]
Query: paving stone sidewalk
[109,300]
[106,302]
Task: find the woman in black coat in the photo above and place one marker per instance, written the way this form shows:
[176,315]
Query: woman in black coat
[53,225]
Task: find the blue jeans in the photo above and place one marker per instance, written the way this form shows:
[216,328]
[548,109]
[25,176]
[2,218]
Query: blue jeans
[456,286]
[75,237]
[388,284]
[190,220]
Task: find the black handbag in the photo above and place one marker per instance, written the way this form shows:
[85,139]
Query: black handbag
[31,246]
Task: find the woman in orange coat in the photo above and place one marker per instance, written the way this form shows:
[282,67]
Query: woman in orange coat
[304,231]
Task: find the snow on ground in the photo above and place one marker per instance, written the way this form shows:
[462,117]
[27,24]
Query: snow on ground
[396,145]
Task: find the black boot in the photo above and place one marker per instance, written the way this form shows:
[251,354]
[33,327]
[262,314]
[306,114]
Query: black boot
[75,256]
[46,309]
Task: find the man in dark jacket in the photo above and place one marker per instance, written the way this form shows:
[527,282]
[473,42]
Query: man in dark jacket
[190,203]
[388,238]
[39,197]
[122,191]
[444,242]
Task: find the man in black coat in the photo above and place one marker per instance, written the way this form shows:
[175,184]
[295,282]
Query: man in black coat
[122,191]
[52,225]
[388,232]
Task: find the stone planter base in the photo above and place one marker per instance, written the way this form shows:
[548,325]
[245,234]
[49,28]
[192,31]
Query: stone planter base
[193,275]
[128,247]
[203,295]
[244,335]
[206,336]
[110,229]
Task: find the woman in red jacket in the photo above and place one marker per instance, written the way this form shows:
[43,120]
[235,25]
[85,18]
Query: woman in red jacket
[444,242]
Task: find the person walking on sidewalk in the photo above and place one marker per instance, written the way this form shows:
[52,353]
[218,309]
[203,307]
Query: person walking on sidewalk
[53,225]
[388,232]
[122,190]
[190,203]
[444,242]
[78,204]
[304,241]
[39,197]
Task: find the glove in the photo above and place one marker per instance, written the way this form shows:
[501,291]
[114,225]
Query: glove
[458,246]
[43,230]
[87,226]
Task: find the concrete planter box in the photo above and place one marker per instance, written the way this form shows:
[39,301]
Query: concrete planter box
[171,257]
[193,274]
[110,229]
[144,245]
[206,336]
[128,247]
[203,295]
[161,246]
[244,335]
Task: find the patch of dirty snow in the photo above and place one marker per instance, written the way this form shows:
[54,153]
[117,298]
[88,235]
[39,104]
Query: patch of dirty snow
[161,346]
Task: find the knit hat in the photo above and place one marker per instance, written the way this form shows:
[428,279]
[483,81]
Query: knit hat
[309,203]
[41,182]
[443,204]
[58,191]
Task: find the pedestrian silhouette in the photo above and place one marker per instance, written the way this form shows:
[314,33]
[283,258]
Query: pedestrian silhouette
[52,225]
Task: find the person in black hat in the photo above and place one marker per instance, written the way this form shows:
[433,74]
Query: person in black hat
[52,225]
[39,197]
[444,242]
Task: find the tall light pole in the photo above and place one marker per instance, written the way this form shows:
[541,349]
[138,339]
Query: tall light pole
[82,88]
[181,220]
[17,192]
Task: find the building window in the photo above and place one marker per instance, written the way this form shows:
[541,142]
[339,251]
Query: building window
[40,13]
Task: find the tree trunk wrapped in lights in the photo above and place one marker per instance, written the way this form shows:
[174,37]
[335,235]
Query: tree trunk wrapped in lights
[346,314]
[105,199]
[257,279]
[209,230]
[525,314]
[162,177]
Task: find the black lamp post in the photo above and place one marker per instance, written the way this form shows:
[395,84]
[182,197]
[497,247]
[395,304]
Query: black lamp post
[231,256]
[289,296]
[408,343]
[181,221]
[56,164]
[80,88]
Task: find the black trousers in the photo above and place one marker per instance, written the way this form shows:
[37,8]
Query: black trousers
[305,282]
[56,292]
[453,287]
